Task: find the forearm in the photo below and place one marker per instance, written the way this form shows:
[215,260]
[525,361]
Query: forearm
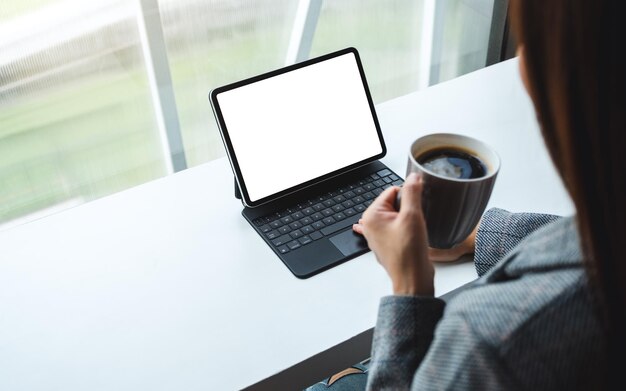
[404,331]
[500,231]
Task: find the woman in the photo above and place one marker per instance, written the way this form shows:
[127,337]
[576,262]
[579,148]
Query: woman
[548,310]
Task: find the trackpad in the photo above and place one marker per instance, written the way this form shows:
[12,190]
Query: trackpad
[349,242]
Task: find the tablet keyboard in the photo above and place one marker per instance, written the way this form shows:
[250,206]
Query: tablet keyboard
[324,214]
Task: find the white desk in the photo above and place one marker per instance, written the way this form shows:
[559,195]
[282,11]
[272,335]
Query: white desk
[166,287]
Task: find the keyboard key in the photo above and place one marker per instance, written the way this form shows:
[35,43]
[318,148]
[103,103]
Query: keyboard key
[368,203]
[377,191]
[283,249]
[347,204]
[308,211]
[369,195]
[360,208]
[339,216]
[296,234]
[317,216]
[394,177]
[316,235]
[306,220]
[350,194]
[379,183]
[276,224]
[329,203]
[397,183]
[307,229]
[318,207]
[258,221]
[339,199]
[328,212]
[284,229]
[369,186]
[331,229]
[384,172]
[266,228]
[328,220]
[305,240]
[387,180]
[359,199]
[374,176]
[349,212]
[295,225]
[293,245]
[387,186]
[318,224]
[286,220]
[297,215]
[338,208]
[359,190]
[272,235]
[279,241]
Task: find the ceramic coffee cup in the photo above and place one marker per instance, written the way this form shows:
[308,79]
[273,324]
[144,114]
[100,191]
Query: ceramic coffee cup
[452,205]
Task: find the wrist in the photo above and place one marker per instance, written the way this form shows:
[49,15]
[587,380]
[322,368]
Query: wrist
[418,285]
[401,290]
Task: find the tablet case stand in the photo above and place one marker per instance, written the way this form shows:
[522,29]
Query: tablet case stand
[237,192]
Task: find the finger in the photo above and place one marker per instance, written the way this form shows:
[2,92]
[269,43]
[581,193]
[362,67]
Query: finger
[358,228]
[383,204]
[385,200]
[411,202]
[437,255]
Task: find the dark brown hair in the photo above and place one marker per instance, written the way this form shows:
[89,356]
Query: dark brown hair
[577,81]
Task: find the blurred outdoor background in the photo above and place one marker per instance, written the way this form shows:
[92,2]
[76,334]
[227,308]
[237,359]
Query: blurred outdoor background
[77,116]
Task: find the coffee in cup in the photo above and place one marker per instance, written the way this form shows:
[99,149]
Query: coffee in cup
[452,162]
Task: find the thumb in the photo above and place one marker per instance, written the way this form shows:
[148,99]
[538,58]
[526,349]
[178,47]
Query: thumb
[411,202]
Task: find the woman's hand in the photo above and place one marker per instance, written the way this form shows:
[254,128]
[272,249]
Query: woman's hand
[399,238]
[466,247]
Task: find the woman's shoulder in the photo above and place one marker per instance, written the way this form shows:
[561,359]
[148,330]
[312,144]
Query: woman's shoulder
[506,310]
[539,335]
[536,308]
[544,273]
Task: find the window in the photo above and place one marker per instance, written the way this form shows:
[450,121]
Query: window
[210,43]
[102,95]
[387,35]
[460,37]
[76,118]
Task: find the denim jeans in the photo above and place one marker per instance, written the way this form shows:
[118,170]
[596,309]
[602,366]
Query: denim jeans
[351,379]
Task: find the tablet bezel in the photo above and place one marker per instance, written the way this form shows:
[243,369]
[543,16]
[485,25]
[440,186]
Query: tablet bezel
[231,153]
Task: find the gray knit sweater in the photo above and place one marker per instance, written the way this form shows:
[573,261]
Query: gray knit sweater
[528,323]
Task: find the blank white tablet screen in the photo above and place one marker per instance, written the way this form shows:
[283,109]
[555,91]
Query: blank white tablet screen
[300,125]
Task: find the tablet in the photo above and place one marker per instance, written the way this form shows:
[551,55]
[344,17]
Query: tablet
[294,127]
